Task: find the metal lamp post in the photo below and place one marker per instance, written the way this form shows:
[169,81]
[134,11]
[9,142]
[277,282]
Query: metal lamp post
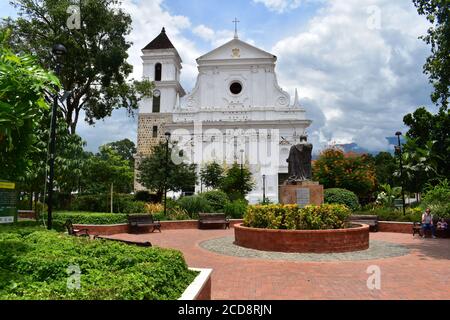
[242,173]
[400,154]
[58,51]
[264,188]
[167,134]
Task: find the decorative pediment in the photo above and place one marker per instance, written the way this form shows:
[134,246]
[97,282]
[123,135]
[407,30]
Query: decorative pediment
[236,49]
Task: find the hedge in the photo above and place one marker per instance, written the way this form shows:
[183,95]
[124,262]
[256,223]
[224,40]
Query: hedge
[38,265]
[89,218]
[292,217]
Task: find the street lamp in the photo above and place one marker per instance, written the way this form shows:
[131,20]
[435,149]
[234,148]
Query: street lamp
[264,188]
[242,173]
[167,134]
[58,51]
[400,154]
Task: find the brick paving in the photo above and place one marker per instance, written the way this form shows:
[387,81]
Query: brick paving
[424,273]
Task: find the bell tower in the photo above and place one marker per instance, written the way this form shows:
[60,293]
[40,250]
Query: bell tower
[162,65]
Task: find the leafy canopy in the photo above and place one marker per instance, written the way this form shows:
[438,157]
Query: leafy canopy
[437,66]
[22,104]
[212,175]
[95,68]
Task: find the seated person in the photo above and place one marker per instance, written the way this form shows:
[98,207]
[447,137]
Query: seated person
[442,225]
[427,223]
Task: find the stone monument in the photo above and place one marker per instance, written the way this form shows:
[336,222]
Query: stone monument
[299,188]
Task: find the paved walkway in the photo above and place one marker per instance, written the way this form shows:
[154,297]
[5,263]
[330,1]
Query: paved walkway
[423,273]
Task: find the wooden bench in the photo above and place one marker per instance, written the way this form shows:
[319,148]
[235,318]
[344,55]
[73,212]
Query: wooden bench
[417,229]
[372,221]
[213,221]
[75,232]
[143,221]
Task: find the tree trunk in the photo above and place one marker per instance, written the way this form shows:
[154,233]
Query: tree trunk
[31,200]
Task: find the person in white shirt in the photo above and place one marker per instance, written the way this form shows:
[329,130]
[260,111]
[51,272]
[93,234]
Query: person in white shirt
[427,223]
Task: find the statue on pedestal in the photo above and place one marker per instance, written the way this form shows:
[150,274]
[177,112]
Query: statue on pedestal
[299,160]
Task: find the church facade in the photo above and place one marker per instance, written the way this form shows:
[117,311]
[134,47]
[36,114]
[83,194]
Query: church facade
[236,113]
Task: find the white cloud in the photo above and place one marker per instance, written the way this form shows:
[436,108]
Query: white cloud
[280,6]
[148,19]
[362,79]
[204,32]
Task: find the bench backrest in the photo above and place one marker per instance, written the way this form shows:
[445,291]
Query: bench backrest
[212,216]
[147,218]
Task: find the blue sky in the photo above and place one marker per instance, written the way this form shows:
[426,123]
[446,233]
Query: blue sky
[356,63]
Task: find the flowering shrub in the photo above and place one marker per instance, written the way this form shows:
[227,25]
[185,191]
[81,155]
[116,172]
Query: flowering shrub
[292,217]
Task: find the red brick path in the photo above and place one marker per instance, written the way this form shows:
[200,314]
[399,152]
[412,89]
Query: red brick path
[423,274]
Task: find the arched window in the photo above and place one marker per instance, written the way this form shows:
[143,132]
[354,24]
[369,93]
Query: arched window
[155,132]
[158,71]
[156,104]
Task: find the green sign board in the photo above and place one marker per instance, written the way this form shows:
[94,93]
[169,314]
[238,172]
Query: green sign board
[8,200]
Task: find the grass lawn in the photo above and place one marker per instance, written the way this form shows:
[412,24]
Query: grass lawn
[36,264]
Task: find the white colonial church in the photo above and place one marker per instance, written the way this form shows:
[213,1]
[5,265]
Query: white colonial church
[236,112]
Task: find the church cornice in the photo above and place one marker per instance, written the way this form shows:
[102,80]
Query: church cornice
[170,84]
[245,62]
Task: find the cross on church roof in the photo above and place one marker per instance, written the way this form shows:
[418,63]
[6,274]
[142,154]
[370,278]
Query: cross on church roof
[236,21]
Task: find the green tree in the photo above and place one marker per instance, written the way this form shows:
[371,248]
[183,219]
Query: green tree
[419,165]
[95,69]
[69,161]
[437,66]
[212,175]
[125,148]
[385,167]
[237,183]
[356,173]
[105,168]
[425,127]
[155,173]
[22,103]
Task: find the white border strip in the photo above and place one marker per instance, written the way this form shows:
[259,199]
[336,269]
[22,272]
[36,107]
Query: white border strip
[196,287]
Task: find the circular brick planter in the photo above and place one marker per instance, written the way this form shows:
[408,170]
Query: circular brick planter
[304,241]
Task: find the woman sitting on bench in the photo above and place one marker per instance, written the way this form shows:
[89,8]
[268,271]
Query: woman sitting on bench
[427,223]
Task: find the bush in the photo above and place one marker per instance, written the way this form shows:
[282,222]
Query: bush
[91,203]
[34,265]
[154,208]
[235,209]
[342,196]
[134,207]
[216,199]
[194,205]
[178,214]
[102,203]
[292,217]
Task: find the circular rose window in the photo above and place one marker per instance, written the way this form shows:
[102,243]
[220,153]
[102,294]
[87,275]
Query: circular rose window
[236,88]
